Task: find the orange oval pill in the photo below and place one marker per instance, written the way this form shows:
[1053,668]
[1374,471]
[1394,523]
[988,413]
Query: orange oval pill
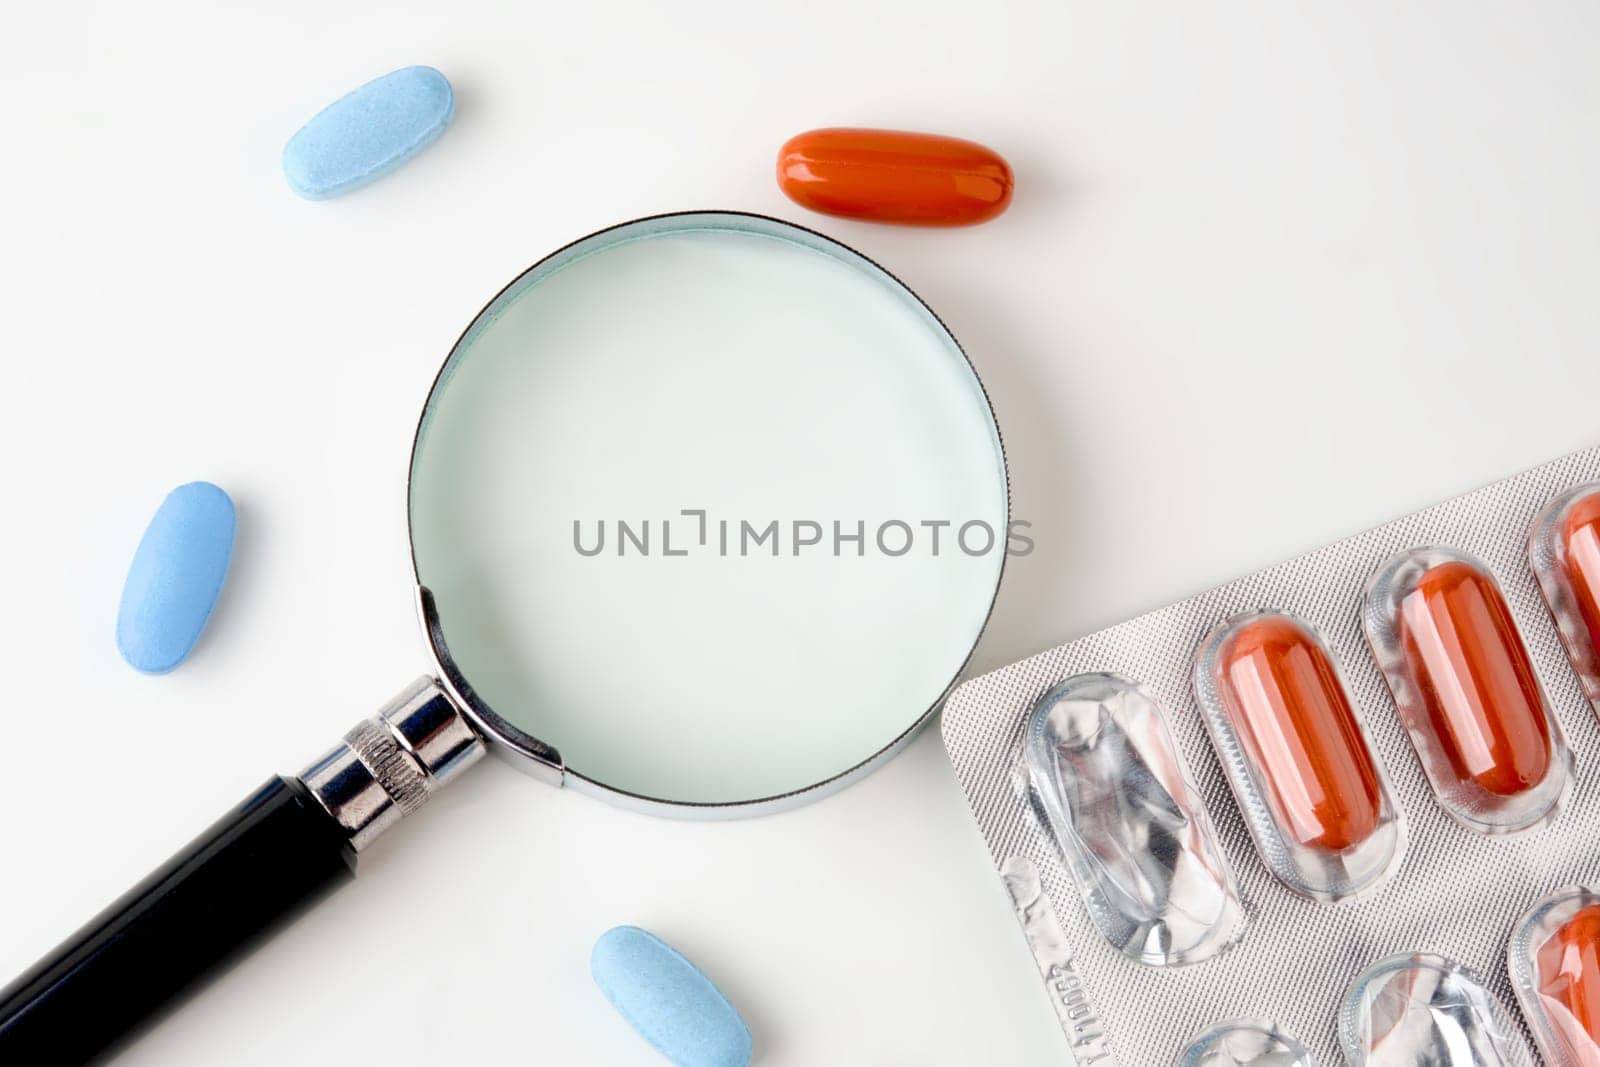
[1580,544]
[1295,725]
[1568,975]
[918,179]
[1475,684]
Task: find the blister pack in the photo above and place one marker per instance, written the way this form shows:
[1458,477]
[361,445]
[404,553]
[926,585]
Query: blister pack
[1342,810]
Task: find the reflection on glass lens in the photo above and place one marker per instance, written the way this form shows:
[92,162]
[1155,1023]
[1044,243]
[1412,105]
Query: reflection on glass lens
[715,513]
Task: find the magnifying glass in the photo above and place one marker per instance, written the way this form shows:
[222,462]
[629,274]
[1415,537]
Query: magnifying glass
[707,514]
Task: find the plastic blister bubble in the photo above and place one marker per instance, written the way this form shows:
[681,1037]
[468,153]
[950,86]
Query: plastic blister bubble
[1554,961]
[1466,690]
[1564,552]
[1301,766]
[1423,1010]
[1245,1044]
[1129,824]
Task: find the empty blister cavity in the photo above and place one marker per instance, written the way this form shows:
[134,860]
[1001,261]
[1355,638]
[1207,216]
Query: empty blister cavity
[1564,552]
[1466,691]
[1554,960]
[1130,826]
[1245,1044]
[1301,766]
[1426,1011]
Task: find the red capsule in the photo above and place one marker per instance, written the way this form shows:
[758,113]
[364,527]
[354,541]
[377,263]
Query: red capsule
[919,179]
[1580,559]
[1296,726]
[1476,689]
[1569,984]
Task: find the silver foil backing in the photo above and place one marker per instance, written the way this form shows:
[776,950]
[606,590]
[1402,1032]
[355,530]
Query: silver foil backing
[1455,894]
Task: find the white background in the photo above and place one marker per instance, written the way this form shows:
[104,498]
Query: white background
[1274,272]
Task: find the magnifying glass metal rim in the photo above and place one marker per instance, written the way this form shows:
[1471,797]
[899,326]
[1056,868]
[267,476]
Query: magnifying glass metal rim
[542,760]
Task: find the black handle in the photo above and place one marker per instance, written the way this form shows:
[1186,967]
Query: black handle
[253,871]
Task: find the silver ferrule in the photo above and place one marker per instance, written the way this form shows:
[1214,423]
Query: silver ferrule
[387,766]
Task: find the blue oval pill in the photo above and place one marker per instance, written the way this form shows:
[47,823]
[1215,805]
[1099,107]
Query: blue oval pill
[176,575]
[367,133]
[668,1001]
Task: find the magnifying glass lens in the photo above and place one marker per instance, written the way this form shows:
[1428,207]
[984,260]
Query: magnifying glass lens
[690,498]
